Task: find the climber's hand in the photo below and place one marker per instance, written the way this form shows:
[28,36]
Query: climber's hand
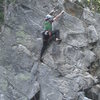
[62,11]
[58,15]
[52,11]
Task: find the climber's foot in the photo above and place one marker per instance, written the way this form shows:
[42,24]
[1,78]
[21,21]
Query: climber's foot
[58,40]
[41,60]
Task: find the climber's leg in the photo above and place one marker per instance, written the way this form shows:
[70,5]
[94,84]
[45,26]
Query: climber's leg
[56,34]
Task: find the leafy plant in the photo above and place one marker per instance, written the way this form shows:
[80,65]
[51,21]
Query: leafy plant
[92,4]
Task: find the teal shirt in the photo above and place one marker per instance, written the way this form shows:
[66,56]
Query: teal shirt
[48,26]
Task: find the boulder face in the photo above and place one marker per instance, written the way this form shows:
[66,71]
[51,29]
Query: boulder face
[64,75]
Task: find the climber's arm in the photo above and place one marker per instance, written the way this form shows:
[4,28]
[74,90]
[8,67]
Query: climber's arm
[55,18]
[52,11]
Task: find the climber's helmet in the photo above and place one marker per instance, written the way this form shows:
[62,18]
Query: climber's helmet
[49,17]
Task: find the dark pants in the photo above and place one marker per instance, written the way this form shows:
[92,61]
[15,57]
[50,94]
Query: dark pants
[48,39]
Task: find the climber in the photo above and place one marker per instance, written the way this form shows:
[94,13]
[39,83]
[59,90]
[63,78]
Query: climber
[49,34]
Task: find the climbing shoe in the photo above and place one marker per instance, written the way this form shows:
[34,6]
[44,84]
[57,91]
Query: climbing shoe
[41,60]
[58,41]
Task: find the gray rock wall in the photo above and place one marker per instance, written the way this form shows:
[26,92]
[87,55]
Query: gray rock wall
[64,74]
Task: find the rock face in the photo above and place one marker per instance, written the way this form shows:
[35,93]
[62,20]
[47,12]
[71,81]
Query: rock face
[64,74]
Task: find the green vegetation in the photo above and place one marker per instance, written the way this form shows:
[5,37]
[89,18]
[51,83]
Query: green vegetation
[1,1]
[94,5]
